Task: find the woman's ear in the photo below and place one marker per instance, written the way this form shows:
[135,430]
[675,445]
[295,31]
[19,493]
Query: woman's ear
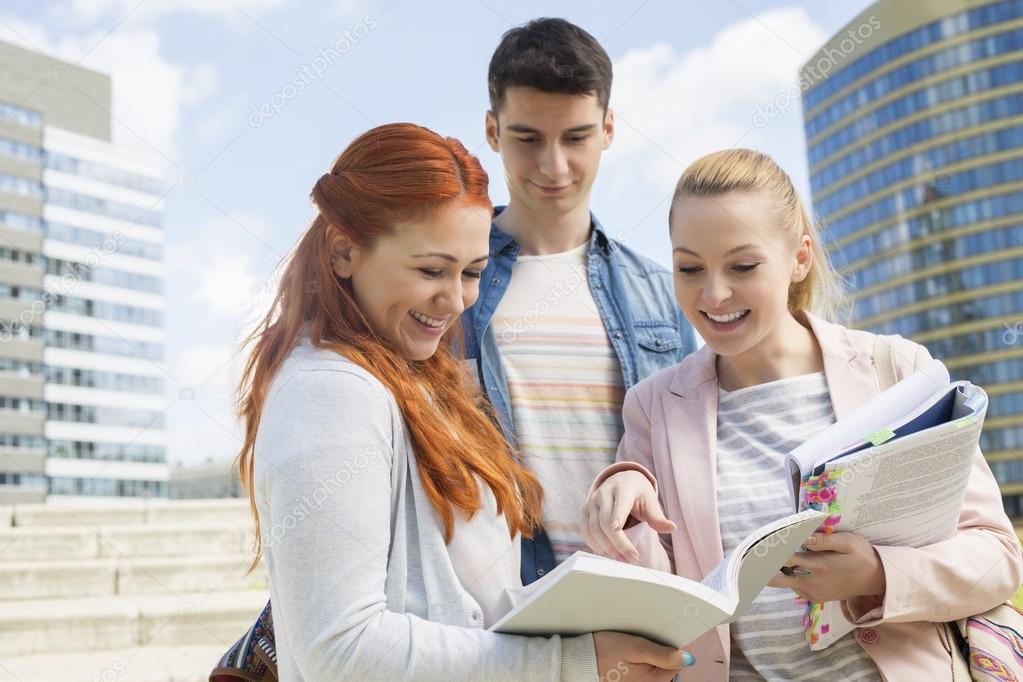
[344,255]
[804,259]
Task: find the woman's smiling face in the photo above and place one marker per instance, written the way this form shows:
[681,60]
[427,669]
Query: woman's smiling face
[733,267]
[413,284]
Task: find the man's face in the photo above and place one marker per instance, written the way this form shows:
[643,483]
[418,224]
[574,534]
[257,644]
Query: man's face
[550,145]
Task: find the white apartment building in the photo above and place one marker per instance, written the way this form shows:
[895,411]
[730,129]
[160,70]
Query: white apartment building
[82,389]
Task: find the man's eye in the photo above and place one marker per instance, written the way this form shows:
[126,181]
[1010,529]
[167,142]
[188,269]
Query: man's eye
[576,138]
[689,270]
[526,140]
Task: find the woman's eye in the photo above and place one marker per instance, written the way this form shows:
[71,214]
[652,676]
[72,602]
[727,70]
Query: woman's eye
[474,274]
[689,270]
[746,267]
[433,274]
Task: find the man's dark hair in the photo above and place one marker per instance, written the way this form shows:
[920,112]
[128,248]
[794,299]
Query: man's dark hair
[550,55]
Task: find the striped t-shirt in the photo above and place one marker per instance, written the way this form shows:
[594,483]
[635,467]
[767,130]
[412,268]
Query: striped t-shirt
[565,384]
[756,427]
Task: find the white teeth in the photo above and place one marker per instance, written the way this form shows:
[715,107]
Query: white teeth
[428,321]
[730,317]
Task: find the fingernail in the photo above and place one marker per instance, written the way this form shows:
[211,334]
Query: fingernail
[687,659]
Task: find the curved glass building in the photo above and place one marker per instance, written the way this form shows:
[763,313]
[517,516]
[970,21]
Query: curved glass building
[913,116]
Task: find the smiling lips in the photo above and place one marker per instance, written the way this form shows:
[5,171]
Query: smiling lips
[426,320]
[727,318]
[551,190]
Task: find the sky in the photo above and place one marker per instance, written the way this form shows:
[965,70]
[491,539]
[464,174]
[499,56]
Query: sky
[247,102]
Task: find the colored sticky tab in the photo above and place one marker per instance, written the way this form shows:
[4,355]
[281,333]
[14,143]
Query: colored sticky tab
[882,436]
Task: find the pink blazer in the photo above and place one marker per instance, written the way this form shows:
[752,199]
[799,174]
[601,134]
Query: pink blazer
[670,433]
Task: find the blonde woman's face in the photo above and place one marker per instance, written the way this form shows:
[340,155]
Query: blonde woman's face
[733,266]
[414,284]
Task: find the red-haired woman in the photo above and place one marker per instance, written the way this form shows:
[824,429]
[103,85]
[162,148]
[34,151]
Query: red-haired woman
[388,504]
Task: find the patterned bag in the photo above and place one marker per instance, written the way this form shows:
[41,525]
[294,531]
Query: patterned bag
[988,647]
[253,658]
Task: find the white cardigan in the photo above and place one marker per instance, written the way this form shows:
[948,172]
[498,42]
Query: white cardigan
[362,584]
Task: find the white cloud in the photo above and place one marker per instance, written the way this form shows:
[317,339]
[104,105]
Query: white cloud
[150,92]
[217,288]
[675,107]
[201,422]
[228,286]
[97,10]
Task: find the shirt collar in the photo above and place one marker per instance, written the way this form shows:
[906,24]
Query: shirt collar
[500,240]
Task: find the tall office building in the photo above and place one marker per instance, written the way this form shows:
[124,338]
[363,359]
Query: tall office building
[81,304]
[914,123]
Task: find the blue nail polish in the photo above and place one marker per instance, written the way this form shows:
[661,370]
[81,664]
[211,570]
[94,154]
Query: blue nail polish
[687,659]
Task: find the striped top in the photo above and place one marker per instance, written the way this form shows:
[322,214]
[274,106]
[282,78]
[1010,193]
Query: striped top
[756,427]
[565,384]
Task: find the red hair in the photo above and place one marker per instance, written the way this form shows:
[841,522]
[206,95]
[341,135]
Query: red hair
[391,174]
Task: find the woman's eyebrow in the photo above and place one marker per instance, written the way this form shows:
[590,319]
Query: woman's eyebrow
[730,251]
[447,256]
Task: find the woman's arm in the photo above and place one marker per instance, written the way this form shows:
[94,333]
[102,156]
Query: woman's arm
[635,454]
[325,457]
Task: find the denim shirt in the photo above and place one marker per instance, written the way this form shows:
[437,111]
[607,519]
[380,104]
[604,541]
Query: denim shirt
[636,303]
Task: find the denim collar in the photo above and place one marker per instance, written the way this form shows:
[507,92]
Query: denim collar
[599,241]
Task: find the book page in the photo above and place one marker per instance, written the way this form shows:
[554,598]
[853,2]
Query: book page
[761,562]
[886,409]
[588,593]
[582,601]
[909,496]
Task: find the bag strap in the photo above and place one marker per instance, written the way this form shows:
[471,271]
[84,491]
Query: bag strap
[884,362]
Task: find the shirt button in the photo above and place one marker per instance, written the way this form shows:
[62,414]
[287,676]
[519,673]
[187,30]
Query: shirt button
[476,616]
[658,343]
[868,635]
[496,280]
[598,286]
[618,335]
[540,571]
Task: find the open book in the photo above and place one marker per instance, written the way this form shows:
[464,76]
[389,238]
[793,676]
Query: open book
[588,593]
[894,472]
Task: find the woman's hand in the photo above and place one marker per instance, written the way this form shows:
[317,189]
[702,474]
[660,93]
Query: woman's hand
[637,659]
[841,566]
[625,494]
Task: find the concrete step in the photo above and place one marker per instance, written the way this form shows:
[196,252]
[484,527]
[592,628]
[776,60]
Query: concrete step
[143,540]
[107,577]
[127,513]
[137,664]
[184,539]
[63,626]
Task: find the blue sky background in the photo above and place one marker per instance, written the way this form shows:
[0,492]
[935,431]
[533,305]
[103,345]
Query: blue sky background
[188,76]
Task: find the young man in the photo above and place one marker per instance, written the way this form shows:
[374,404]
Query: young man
[567,318]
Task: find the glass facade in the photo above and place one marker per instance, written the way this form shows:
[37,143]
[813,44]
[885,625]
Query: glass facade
[916,167]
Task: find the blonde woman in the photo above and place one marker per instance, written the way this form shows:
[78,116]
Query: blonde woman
[701,459]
